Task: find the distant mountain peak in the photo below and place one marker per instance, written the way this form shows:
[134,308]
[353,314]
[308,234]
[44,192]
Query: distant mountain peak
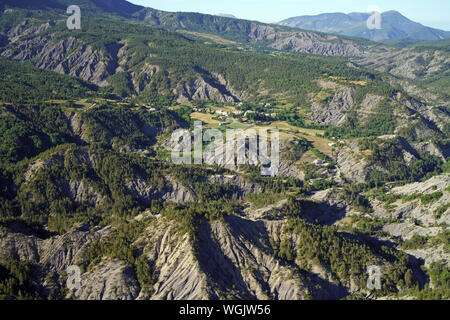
[394,26]
[226,15]
[394,12]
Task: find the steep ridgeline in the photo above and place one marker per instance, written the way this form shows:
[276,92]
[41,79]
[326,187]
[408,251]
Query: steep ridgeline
[423,66]
[20,19]
[254,34]
[394,26]
[135,59]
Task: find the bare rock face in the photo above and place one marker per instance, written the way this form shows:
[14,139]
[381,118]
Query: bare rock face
[38,165]
[234,251]
[429,186]
[177,274]
[353,166]
[52,256]
[69,56]
[202,89]
[271,35]
[288,169]
[368,105]
[438,116]
[430,255]
[334,112]
[111,280]
[173,191]
[407,63]
[231,257]
[307,42]
[86,64]
[28,28]
[430,148]
[79,192]
[261,32]
[77,126]
[357,167]
[415,218]
[75,57]
[410,64]
[145,76]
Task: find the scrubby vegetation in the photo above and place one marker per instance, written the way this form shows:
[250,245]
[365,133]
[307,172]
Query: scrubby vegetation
[440,278]
[22,82]
[347,258]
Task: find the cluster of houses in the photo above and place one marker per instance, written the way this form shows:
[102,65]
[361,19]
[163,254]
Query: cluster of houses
[228,114]
[217,112]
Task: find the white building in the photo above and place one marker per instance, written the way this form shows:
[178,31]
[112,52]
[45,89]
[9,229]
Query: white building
[319,162]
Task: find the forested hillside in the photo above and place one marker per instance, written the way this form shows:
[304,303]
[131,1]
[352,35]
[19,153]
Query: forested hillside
[23,82]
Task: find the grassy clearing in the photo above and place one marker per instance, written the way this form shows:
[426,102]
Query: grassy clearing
[319,143]
[211,37]
[206,118]
[287,132]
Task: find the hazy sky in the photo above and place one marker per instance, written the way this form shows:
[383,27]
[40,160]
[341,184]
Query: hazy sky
[432,13]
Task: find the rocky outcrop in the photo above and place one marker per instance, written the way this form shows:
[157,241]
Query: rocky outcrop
[111,280]
[51,256]
[177,273]
[429,147]
[273,36]
[38,165]
[429,186]
[414,218]
[416,64]
[228,258]
[334,112]
[143,77]
[352,165]
[203,89]
[408,63]
[69,56]
[27,28]
[438,115]
[313,43]
[173,191]
[243,187]
[355,165]
[79,192]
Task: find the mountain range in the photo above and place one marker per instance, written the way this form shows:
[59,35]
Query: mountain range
[227,15]
[394,26]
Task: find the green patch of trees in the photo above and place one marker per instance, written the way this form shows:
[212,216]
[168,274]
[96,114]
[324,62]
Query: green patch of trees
[22,82]
[16,282]
[348,258]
